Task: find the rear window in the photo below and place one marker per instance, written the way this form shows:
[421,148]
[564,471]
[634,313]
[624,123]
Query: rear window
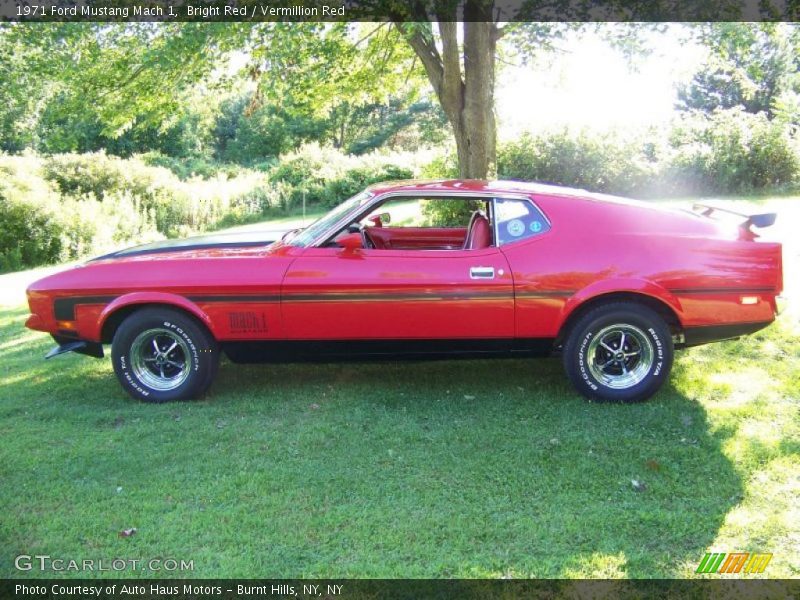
[518,219]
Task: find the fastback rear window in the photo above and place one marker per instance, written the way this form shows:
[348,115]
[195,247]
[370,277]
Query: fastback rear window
[518,219]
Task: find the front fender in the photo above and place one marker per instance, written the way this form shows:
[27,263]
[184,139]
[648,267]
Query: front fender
[615,286]
[162,298]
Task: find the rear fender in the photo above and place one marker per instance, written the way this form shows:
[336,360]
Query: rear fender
[161,298]
[615,286]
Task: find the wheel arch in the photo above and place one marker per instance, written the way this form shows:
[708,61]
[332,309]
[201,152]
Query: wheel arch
[669,310]
[121,308]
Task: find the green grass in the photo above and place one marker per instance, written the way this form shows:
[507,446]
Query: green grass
[438,469]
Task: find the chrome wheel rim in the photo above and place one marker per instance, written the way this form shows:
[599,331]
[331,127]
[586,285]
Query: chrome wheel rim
[160,359]
[620,356]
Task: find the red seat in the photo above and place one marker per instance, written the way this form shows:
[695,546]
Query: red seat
[479,232]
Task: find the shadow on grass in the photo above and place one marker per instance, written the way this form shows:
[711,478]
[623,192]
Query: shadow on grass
[435,469]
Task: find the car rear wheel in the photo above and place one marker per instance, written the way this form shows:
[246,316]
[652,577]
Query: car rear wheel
[160,354]
[619,352]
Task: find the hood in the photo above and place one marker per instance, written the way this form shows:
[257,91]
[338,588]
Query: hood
[246,239]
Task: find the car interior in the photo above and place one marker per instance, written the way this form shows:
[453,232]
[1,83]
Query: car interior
[421,224]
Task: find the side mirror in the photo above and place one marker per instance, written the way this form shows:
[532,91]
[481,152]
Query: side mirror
[380,220]
[350,241]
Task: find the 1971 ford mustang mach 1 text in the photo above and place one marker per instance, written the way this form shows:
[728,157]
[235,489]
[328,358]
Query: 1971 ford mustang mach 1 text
[450,268]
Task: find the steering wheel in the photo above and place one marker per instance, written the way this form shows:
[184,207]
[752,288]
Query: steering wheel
[366,241]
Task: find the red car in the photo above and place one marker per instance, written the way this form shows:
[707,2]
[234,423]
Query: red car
[423,269]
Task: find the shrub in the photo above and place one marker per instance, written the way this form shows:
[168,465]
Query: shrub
[190,168]
[605,163]
[727,152]
[327,177]
[68,206]
[31,232]
[730,151]
[174,206]
[442,166]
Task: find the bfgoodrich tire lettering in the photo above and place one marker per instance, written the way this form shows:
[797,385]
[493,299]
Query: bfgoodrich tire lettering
[618,352]
[161,354]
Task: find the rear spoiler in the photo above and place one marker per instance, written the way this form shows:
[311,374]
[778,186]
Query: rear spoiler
[759,220]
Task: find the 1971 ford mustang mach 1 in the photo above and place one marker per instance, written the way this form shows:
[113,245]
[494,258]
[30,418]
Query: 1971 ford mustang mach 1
[612,285]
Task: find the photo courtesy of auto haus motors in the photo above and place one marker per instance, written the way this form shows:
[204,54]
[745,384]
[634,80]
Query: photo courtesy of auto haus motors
[517,277]
[116,590]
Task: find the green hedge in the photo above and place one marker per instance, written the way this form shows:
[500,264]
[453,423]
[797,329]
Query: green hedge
[41,225]
[727,152]
[592,161]
[731,151]
[67,206]
[326,176]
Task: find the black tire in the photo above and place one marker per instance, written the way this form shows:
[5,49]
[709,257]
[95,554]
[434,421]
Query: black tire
[603,372]
[156,376]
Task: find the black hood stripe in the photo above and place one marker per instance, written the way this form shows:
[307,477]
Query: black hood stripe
[182,248]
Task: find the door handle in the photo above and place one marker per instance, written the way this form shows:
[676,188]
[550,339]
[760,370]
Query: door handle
[481,273]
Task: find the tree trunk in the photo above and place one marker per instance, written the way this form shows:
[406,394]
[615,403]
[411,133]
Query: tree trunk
[478,138]
[468,99]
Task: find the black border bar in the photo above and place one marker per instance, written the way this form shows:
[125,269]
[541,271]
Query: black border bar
[397,10]
[390,589]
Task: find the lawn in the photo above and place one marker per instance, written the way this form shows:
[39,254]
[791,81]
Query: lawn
[404,469]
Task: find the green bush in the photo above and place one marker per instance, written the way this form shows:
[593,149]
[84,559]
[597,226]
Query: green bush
[176,207]
[68,206]
[727,152]
[189,168]
[441,166]
[326,177]
[604,163]
[31,233]
[731,151]
[42,226]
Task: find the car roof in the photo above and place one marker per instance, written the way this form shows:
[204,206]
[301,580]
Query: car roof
[481,186]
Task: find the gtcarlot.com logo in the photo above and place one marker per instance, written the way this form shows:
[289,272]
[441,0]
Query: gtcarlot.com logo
[734,562]
[45,562]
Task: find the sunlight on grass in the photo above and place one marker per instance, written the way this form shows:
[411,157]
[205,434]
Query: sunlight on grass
[766,519]
[741,388]
[601,566]
[20,341]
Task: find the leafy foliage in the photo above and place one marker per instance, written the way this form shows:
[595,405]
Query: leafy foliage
[326,177]
[731,151]
[448,213]
[66,206]
[754,66]
[41,226]
[581,159]
[723,153]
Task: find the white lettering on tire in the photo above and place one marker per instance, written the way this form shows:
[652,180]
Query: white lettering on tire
[189,341]
[582,361]
[659,351]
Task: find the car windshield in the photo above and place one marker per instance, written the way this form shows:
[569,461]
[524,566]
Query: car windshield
[306,236]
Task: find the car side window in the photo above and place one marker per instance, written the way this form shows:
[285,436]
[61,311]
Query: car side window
[518,219]
[428,223]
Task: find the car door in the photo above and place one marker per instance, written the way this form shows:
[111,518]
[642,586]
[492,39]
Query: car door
[373,294]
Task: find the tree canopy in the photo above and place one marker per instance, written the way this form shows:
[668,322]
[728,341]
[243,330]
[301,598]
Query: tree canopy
[756,67]
[250,89]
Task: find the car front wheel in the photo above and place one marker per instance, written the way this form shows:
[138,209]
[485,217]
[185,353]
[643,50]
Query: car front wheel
[619,352]
[161,355]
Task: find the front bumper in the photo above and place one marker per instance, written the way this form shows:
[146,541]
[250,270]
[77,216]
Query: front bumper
[35,322]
